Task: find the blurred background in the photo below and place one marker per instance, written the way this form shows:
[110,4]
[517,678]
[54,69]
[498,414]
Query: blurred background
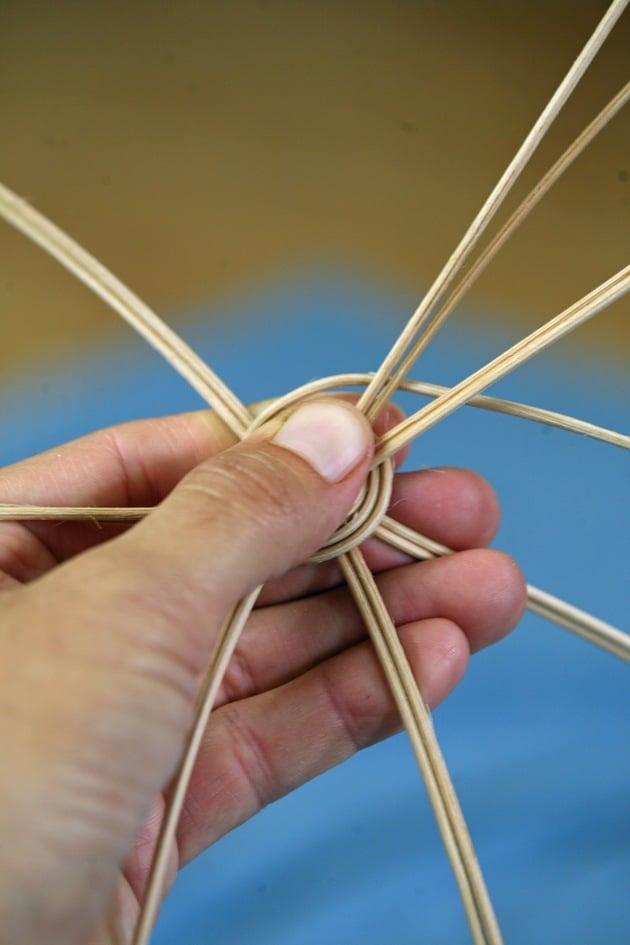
[199,148]
[282,179]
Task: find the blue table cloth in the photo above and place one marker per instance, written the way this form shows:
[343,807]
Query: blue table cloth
[536,737]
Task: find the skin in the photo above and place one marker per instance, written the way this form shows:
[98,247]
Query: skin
[105,633]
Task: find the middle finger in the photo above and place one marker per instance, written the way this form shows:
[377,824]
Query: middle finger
[482,591]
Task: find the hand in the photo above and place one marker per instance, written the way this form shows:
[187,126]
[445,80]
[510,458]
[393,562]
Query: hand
[105,633]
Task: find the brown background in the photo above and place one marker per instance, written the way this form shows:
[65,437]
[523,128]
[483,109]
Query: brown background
[200,147]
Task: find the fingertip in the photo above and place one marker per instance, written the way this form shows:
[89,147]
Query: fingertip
[480,510]
[332,436]
[456,507]
[511,590]
[503,597]
[389,417]
[439,652]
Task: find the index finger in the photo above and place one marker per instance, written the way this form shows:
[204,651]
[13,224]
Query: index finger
[134,464]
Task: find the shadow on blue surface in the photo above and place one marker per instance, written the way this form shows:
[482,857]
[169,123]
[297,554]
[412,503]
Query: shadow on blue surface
[536,736]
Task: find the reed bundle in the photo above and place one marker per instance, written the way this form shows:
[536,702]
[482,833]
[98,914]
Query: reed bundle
[371,517]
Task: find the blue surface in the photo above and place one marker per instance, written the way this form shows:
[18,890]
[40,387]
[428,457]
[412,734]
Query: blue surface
[535,737]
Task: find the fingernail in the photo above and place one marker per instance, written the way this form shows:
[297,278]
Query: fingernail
[332,438]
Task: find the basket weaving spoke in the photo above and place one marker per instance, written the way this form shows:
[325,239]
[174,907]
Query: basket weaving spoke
[388,375]
[223,651]
[419,727]
[473,271]
[537,341]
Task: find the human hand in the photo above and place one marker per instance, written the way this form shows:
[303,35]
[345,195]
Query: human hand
[105,633]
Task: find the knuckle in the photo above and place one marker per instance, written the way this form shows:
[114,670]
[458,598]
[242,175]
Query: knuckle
[250,486]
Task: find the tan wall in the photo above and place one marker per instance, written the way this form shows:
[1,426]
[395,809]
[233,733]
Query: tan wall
[198,146]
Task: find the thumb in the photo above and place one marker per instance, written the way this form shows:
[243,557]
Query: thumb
[247,515]
[256,510]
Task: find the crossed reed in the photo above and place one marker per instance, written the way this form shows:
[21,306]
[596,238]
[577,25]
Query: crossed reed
[369,517]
